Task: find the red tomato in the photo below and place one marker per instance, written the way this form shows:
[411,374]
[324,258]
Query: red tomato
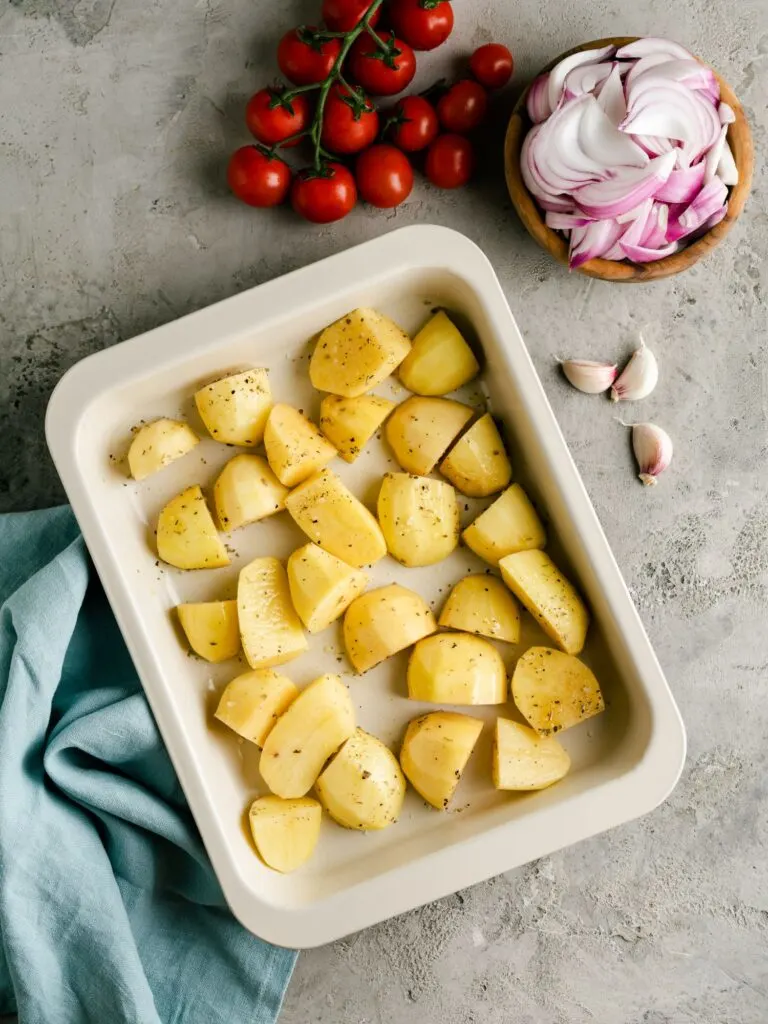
[463,107]
[424,24]
[416,126]
[343,15]
[350,122]
[384,176]
[379,73]
[323,198]
[302,62]
[271,121]
[450,161]
[492,65]
[257,179]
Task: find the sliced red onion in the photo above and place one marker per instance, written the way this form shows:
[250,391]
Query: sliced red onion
[640,211]
[682,185]
[628,188]
[639,254]
[531,176]
[655,234]
[654,145]
[645,64]
[707,203]
[637,227]
[668,108]
[537,102]
[557,204]
[651,46]
[715,218]
[585,78]
[727,170]
[603,142]
[712,160]
[726,113]
[590,242]
[611,97]
[559,72]
[565,221]
[691,73]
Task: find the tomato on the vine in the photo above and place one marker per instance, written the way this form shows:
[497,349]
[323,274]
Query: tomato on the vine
[492,65]
[272,120]
[463,107]
[384,176]
[344,15]
[258,179]
[414,124]
[382,72]
[303,59]
[324,196]
[424,24]
[450,161]
[350,122]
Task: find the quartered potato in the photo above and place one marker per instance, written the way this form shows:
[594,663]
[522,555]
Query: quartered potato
[269,626]
[554,691]
[382,622]
[551,599]
[363,786]
[158,444]
[456,668]
[482,604]
[357,352]
[235,409]
[247,490]
[440,360]
[211,628]
[510,524]
[315,725]
[285,831]
[478,464]
[419,518]
[295,447]
[421,430]
[252,703]
[350,423]
[524,760]
[322,586]
[186,533]
[435,752]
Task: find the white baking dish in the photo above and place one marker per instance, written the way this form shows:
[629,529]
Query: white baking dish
[625,762]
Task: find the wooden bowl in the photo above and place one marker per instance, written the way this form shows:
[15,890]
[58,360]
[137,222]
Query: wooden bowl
[739,137]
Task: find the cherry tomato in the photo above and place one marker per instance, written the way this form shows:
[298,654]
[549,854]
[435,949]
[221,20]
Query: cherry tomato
[343,15]
[382,74]
[258,179]
[350,122]
[416,126]
[271,121]
[463,107]
[450,161]
[424,24]
[325,197]
[384,176]
[304,62]
[492,65]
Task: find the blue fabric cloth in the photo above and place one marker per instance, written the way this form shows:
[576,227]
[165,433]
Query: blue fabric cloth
[109,910]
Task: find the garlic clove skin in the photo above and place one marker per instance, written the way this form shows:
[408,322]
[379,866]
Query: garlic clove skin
[653,450]
[588,376]
[639,377]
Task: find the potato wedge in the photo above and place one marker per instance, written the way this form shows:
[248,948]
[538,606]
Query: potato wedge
[157,444]
[350,423]
[421,430]
[211,629]
[333,518]
[524,760]
[186,533]
[252,702]
[285,831]
[357,352]
[269,626]
[419,518]
[295,447]
[551,599]
[483,605]
[440,360]
[555,691]
[247,490]
[456,668]
[382,622]
[510,524]
[315,725]
[235,409]
[363,787]
[478,464]
[435,752]
[322,586]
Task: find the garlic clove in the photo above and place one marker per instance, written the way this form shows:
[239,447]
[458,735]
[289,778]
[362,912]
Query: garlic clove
[588,376]
[653,450]
[639,377]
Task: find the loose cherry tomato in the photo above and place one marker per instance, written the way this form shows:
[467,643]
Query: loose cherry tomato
[343,15]
[424,24]
[303,60]
[380,72]
[463,107]
[258,179]
[416,125]
[350,122]
[271,120]
[492,65]
[450,161]
[384,176]
[325,196]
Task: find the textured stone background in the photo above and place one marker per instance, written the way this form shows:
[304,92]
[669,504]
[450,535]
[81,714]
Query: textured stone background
[115,120]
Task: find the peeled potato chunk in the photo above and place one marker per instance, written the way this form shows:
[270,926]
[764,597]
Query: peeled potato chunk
[482,604]
[158,444]
[357,352]
[269,626]
[382,622]
[478,464]
[435,752]
[419,518]
[350,423]
[247,490]
[285,831]
[211,628]
[510,524]
[524,760]
[440,360]
[252,703]
[363,786]
[235,409]
[186,533]
[551,599]
[295,447]
[315,725]
[332,517]
[456,668]
[555,691]
[421,430]
[322,586]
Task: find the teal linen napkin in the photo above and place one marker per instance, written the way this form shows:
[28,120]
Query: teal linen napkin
[109,910]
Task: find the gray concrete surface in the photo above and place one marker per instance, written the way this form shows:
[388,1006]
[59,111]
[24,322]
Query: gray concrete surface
[115,122]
